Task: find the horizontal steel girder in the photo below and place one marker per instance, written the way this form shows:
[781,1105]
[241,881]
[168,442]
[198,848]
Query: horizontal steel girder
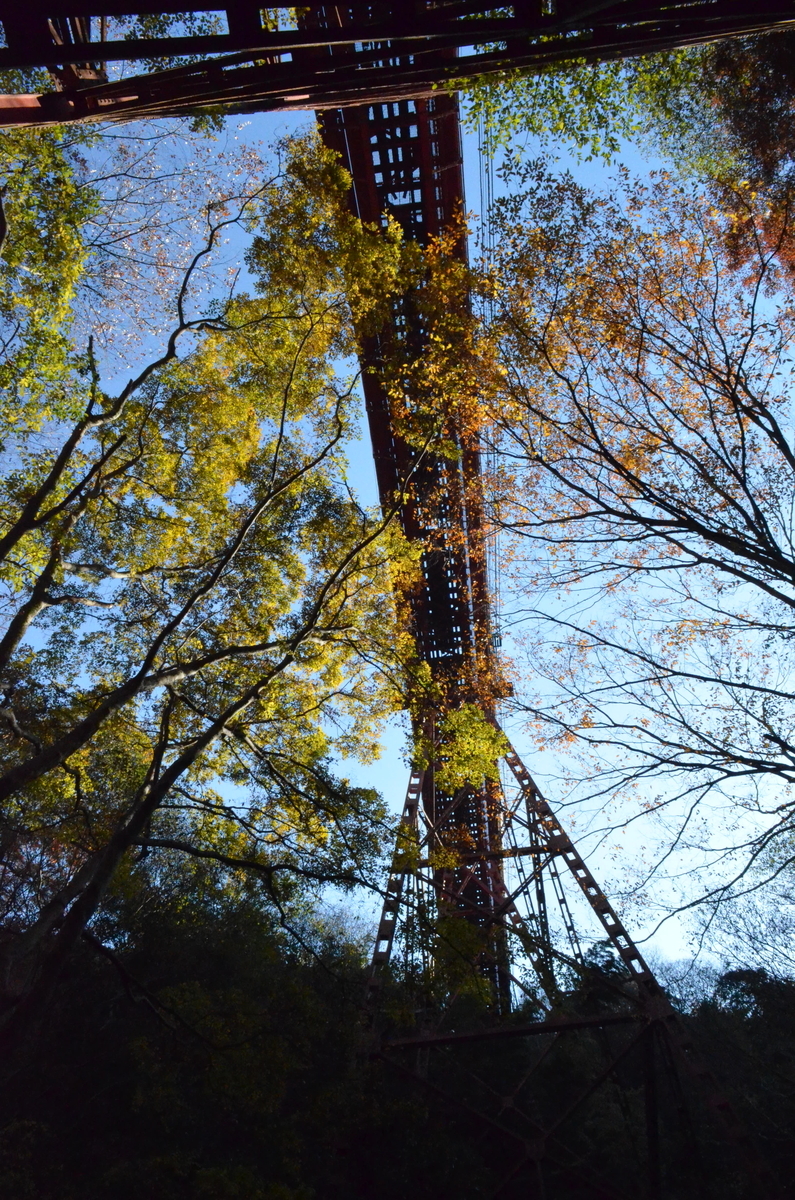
[378,52]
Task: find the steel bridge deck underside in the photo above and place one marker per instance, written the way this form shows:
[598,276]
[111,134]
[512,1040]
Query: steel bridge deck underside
[405,160]
[336,55]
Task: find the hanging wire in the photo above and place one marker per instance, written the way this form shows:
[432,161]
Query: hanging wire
[486,240]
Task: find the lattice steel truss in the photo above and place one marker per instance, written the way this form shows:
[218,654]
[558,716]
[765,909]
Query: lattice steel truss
[405,161]
[335,55]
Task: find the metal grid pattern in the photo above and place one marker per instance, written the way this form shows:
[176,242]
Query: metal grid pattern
[405,160]
[386,51]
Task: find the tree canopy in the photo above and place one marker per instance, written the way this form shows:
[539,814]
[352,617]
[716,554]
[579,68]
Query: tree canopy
[197,608]
[592,107]
[641,393]
[720,111]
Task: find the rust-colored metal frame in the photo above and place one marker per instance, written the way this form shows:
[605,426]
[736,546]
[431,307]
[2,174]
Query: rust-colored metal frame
[405,160]
[346,55]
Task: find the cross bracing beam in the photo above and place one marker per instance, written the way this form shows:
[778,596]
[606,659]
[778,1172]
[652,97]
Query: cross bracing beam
[335,56]
[34,34]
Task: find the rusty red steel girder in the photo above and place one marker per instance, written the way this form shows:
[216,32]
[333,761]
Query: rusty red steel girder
[388,50]
[405,160]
